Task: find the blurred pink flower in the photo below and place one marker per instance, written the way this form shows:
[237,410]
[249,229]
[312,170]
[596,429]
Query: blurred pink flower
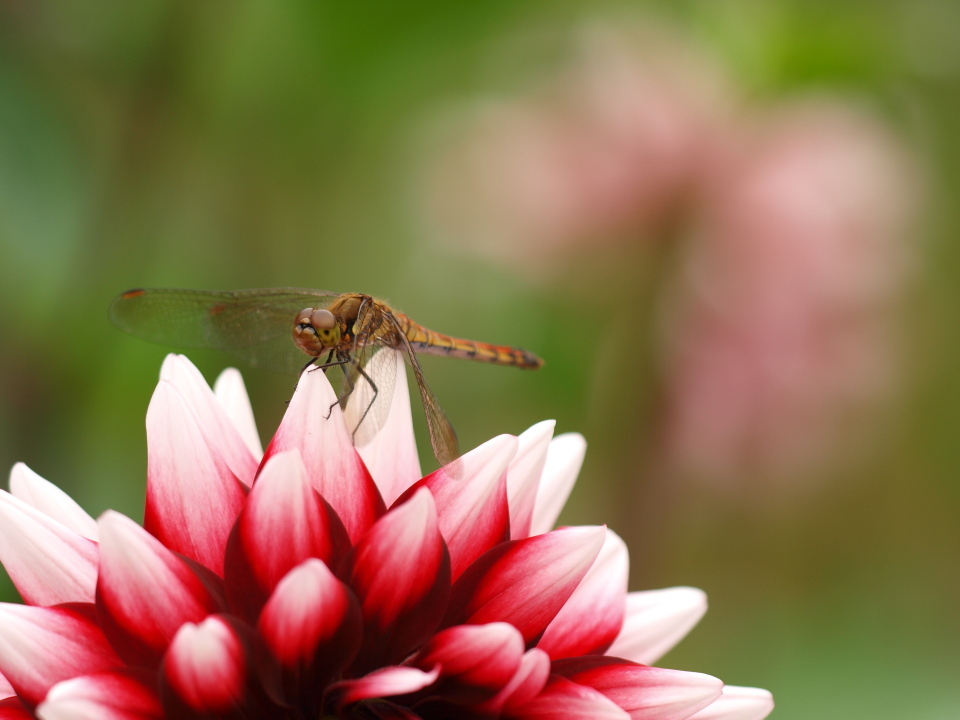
[605,153]
[780,324]
[286,588]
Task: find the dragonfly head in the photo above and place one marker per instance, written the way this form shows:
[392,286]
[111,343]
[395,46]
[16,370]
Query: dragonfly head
[316,330]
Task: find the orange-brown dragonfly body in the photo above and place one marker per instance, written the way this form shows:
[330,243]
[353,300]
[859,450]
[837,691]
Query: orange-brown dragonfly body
[356,332]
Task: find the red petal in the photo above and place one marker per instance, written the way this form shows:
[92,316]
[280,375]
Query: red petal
[523,476]
[118,695]
[472,508]
[525,582]
[401,575]
[562,699]
[6,689]
[386,682]
[656,620]
[41,646]
[210,671]
[13,709]
[48,563]
[193,498]
[564,460]
[646,693]
[313,626]
[145,592]
[313,424]
[591,619]
[475,661]
[526,683]
[284,522]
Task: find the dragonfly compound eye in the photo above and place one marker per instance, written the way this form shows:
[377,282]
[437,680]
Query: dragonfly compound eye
[322,319]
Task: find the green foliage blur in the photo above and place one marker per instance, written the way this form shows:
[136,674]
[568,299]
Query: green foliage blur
[259,144]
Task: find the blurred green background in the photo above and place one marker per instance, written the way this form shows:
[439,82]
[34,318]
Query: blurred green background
[257,144]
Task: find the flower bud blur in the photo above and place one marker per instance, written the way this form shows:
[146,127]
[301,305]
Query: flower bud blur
[780,235]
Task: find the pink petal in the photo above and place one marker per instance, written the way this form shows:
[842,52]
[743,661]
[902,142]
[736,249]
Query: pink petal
[562,699]
[210,672]
[387,682]
[103,696]
[312,625]
[390,452]
[6,689]
[216,424]
[472,507]
[333,465]
[525,582]
[401,575]
[46,497]
[646,693]
[564,460]
[523,476]
[476,661]
[592,617]
[738,703]
[145,592]
[48,563]
[284,522]
[41,646]
[232,395]
[12,709]
[193,497]
[655,621]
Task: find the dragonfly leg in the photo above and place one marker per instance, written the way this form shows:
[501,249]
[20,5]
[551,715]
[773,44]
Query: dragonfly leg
[341,399]
[376,391]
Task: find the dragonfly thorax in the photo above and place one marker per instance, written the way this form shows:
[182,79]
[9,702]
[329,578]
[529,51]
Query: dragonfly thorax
[315,331]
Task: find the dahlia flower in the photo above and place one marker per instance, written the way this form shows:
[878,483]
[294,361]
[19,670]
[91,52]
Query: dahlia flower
[328,581]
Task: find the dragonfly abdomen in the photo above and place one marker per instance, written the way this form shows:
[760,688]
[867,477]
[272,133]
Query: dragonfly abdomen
[434,343]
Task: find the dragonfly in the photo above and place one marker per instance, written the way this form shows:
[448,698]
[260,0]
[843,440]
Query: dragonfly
[273,328]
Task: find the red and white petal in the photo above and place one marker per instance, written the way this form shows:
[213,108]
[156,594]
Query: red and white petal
[655,621]
[476,661]
[473,511]
[738,703]
[562,699]
[526,683]
[646,693]
[12,709]
[41,646]
[525,582]
[216,424]
[6,689]
[46,497]
[193,497]
[48,563]
[401,575]
[312,625]
[389,451]
[284,522]
[564,460]
[591,619]
[523,476]
[314,425]
[145,592]
[386,682]
[103,696]
[210,672]
[232,395]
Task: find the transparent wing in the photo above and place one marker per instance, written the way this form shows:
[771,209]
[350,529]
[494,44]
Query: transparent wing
[252,325]
[368,403]
[443,438]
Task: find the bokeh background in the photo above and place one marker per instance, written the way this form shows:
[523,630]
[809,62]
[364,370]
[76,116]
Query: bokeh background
[730,228]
